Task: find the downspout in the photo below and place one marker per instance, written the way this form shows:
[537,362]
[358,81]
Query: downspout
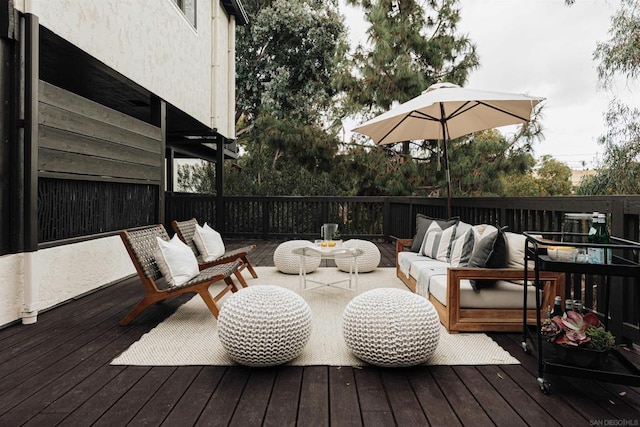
[30,47]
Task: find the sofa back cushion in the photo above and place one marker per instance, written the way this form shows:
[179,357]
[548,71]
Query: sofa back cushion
[490,251]
[423,222]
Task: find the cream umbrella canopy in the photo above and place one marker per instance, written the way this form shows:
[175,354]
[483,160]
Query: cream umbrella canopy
[446,111]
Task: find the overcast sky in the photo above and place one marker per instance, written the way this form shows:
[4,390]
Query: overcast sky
[542,48]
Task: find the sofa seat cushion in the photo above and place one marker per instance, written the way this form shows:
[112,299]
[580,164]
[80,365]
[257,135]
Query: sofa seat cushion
[503,295]
[406,259]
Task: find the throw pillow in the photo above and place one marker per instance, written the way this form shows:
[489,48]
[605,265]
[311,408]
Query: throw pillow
[437,241]
[431,241]
[176,261]
[423,223]
[489,252]
[209,243]
[461,249]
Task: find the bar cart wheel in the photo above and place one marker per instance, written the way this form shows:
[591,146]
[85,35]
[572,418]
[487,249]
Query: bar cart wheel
[545,386]
[526,348]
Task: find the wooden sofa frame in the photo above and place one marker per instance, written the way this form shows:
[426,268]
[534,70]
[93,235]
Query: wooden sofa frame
[458,319]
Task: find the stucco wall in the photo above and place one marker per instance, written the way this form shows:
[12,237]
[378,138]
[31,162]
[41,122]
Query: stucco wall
[62,273]
[149,41]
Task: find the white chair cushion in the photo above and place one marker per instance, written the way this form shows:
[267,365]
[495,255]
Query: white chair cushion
[209,243]
[176,261]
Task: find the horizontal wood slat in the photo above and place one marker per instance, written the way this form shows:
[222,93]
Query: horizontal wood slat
[51,160]
[71,102]
[56,139]
[59,118]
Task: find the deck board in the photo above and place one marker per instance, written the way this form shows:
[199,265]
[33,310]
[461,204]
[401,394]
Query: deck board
[57,372]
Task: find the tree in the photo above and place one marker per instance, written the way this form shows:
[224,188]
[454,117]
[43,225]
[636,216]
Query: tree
[554,177]
[619,56]
[411,47]
[286,59]
[620,169]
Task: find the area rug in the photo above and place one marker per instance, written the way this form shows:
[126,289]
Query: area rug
[190,337]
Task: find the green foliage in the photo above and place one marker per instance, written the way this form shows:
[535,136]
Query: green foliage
[413,45]
[373,171]
[621,53]
[619,171]
[554,177]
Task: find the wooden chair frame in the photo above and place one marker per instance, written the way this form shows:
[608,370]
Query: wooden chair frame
[141,245]
[186,230]
[458,319]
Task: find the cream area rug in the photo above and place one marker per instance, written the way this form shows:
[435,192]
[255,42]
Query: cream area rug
[190,336]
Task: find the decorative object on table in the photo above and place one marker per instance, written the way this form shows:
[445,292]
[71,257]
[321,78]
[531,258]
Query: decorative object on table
[264,325]
[562,253]
[579,340]
[367,262]
[289,263]
[391,327]
[329,234]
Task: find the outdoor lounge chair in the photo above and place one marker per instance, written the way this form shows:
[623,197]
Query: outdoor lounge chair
[186,230]
[141,245]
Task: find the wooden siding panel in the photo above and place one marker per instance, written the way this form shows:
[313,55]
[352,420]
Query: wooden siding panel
[94,142]
[94,167]
[56,139]
[52,95]
[59,118]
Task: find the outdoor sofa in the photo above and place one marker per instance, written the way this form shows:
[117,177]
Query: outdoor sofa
[473,275]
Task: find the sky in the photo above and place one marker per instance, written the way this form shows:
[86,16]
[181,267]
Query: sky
[541,48]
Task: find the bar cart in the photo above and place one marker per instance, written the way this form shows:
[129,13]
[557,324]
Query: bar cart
[618,369]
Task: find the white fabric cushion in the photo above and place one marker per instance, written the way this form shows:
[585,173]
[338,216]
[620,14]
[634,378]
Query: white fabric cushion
[504,294]
[444,247]
[461,249]
[437,242]
[431,241]
[209,243]
[176,261]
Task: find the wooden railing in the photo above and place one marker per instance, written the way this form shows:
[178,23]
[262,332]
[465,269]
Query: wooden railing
[386,218]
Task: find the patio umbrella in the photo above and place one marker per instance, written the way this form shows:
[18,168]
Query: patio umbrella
[446,111]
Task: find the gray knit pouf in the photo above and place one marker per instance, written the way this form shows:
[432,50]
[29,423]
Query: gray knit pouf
[264,325]
[391,327]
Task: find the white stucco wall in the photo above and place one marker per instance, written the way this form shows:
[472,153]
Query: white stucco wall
[223,72]
[150,42]
[62,273]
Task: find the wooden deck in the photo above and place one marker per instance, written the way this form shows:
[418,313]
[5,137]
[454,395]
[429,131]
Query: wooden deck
[57,372]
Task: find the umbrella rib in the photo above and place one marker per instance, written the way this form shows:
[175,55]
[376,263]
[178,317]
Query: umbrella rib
[493,107]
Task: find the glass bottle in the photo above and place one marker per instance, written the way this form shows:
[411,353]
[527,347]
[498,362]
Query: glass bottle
[557,307]
[605,238]
[596,255]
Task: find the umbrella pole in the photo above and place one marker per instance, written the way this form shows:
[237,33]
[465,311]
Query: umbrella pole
[443,123]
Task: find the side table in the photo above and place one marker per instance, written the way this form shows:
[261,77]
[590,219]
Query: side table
[329,253]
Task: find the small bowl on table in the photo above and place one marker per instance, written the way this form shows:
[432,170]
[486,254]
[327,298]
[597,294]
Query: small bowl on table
[562,253]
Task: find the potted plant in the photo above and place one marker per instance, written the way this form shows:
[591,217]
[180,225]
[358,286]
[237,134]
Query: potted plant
[579,340]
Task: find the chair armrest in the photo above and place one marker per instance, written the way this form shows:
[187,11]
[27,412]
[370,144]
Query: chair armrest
[402,244]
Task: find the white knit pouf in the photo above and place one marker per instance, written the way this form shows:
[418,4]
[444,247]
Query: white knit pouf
[391,327]
[289,263]
[264,325]
[367,262]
